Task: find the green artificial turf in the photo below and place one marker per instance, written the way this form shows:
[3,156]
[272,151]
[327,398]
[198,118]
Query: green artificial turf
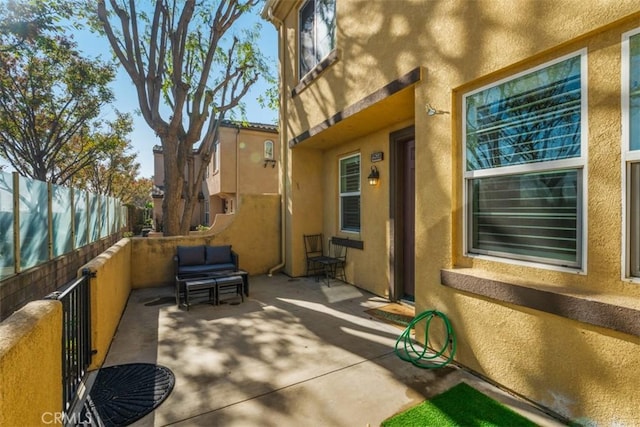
[461,405]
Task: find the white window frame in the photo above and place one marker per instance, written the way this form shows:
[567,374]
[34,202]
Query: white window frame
[629,157]
[302,73]
[577,163]
[268,150]
[350,193]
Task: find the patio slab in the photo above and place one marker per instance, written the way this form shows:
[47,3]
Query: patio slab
[296,352]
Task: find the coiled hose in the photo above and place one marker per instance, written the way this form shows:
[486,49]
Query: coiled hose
[407,350]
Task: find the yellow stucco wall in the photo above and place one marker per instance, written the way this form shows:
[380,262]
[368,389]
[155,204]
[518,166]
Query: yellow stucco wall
[253,232]
[110,290]
[254,177]
[31,340]
[580,371]
[241,171]
[304,208]
[30,365]
[375,223]
[224,178]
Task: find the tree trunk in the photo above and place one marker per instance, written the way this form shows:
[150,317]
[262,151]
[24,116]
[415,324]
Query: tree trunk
[201,77]
[187,214]
[173,183]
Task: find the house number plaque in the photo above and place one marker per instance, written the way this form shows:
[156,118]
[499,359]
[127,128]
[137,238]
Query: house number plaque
[378,156]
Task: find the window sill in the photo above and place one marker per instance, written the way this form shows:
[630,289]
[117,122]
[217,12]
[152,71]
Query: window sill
[532,264]
[618,313]
[314,73]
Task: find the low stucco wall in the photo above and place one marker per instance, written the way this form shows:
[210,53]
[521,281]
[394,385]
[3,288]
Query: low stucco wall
[31,342]
[110,290]
[30,365]
[253,232]
[17,290]
[30,339]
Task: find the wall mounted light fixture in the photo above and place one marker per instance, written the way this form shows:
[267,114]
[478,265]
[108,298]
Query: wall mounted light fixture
[433,111]
[374,176]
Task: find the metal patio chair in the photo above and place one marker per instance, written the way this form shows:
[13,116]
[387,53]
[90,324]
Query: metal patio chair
[314,254]
[335,263]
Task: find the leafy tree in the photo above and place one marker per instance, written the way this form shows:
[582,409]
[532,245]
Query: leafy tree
[50,101]
[30,21]
[189,71]
[139,193]
[114,171]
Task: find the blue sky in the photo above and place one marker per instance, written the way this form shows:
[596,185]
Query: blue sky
[143,138]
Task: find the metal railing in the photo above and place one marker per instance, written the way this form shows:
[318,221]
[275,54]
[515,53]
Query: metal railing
[76,335]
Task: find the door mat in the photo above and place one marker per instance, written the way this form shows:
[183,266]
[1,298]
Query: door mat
[461,405]
[396,314]
[122,394]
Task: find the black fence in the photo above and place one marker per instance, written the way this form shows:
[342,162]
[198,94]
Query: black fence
[76,335]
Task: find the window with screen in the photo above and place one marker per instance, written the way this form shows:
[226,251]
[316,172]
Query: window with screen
[317,32]
[350,193]
[523,151]
[631,145]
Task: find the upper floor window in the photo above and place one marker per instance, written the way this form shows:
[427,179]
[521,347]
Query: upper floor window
[350,193]
[632,88]
[631,146]
[268,150]
[524,161]
[317,32]
[216,156]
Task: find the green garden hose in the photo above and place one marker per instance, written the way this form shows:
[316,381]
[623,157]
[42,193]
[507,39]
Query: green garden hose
[407,350]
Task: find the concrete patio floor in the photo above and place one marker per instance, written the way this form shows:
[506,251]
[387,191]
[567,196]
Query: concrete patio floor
[296,352]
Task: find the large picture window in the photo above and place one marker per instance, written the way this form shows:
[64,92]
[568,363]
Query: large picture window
[317,32]
[350,193]
[523,151]
[631,146]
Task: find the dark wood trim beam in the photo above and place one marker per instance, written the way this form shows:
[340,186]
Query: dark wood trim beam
[350,243]
[617,318]
[389,89]
[315,72]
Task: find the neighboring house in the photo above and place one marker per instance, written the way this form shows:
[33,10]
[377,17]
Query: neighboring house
[244,161]
[506,136]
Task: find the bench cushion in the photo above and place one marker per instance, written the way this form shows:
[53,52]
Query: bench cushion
[218,255]
[191,255]
[205,268]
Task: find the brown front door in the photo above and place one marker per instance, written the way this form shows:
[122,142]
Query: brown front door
[409,209]
[402,196]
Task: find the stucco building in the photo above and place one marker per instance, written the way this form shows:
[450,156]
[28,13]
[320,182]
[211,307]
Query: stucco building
[244,162]
[505,135]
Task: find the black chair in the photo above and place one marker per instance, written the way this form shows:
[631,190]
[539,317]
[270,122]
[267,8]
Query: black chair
[330,266]
[314,254]
[334,264]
